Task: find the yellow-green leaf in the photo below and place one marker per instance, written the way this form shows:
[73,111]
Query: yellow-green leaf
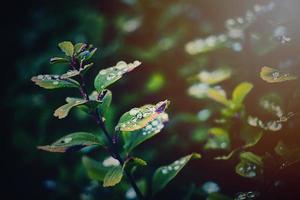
[272,75]
[240,92]
[67,47]
[113,176]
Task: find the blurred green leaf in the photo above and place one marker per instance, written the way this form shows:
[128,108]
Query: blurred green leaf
[240,92]
[155,82]
[67,47]
[218,95]
[72,142]
[214,77]
[165,174]
[138,118]
[113,176]
[110,75]
[54,81]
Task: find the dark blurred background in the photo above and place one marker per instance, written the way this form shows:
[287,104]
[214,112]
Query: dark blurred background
[154,32]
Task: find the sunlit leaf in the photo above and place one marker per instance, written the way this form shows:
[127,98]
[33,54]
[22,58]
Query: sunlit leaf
[64,110]
[272,75]
[218,95]
[240,92]
[165,174]
[214,77]
[57,60]
[199,90]
[138,118]
[218,138]
[110,75]
[72,142]
[250,165]
[54,81]
[208,44]
[113,176]
[134,138]
[94,169]
[67,47]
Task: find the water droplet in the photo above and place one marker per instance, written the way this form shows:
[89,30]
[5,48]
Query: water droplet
[134,111]
[164,171]
[176,167]
[67,140]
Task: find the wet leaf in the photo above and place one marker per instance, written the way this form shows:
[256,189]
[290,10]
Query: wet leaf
[163,175]
[54,82]
[240,92]
[72,142]
[113,176]
[134,138]
[94,169]
[272,75]
[64,110]
[105,98]
[214,77]
[110,75]
[67,47]
[138,118]
[250,165]
[57,60]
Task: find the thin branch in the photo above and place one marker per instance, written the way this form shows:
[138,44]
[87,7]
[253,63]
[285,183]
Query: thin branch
[113,146]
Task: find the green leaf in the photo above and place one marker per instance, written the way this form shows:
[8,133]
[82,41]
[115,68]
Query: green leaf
[165,174]
[272,75]
[218,95]
[64,110]
[105,98]
[110,75]
[218,139]
[134,138]
[56,60]
[251,136]
[250,165]
[67,47]
[94,169]
[214,77]
[113,176]
[72,142]
[240,92]
[138,118]
[54,81]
